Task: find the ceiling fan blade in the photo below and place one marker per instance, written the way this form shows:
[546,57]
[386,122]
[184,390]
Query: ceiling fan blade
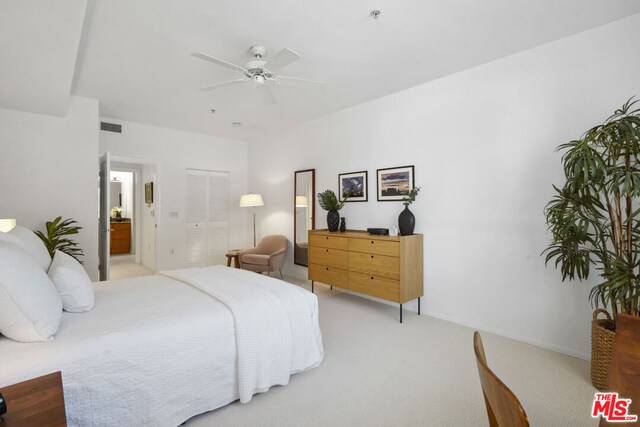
[266,94]
[302,83]
[218,61]
[283,58]
[227,83]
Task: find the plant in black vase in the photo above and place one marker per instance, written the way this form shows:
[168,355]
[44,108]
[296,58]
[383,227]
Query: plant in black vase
[330,203]
[406,219]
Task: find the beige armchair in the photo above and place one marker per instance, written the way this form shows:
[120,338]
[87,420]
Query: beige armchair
[268,256]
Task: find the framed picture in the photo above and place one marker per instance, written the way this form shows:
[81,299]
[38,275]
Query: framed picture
[148,192]
[355,185]
[394,183]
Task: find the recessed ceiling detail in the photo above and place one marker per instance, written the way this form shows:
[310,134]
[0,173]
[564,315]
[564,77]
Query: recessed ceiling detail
[136,57]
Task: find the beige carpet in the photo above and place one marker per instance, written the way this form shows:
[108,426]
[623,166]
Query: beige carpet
[127,270]
[419,373]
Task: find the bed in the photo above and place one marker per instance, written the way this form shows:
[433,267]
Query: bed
[158,350]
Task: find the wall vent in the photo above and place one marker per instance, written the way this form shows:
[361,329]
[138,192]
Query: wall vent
[110,127]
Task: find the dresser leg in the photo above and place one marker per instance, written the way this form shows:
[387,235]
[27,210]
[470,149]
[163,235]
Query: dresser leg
[418,306]
[400,313]
[312,287]
[331,287]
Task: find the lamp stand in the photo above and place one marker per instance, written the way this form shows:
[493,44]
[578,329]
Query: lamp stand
[254,227]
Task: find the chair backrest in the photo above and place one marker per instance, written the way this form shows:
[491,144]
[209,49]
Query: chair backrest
[503,407]
[271,244]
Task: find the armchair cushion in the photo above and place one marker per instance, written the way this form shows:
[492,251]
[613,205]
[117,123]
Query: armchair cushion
[255,259]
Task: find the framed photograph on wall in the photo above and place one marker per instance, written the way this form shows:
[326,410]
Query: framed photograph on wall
[394,183]
[354,185]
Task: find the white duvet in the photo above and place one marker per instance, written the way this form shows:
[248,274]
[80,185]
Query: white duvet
[157,351]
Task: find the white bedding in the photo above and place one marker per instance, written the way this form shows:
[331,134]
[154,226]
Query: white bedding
[153,351]
[275,331]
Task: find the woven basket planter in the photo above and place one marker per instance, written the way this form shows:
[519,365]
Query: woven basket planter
[602,336]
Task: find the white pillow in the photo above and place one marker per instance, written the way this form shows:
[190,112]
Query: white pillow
[31,243]
[30,307]
[72,282]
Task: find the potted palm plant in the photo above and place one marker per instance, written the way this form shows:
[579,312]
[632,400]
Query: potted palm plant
[330,203]
[56,237]
[594,223]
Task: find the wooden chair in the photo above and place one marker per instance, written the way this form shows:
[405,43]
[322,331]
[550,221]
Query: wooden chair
[503,407]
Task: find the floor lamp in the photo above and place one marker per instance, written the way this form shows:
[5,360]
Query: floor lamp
[251,201]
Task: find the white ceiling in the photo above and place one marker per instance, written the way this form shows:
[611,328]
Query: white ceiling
[38,50]
[135,54]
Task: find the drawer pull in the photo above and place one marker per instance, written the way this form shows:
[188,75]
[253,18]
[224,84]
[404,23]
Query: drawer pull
[371,256]
[371,277]
[326,268]
[372,242]
[327,238]
[326,250]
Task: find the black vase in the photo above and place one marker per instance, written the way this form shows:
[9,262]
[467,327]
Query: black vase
[343,225]
[406,222]
[333,220]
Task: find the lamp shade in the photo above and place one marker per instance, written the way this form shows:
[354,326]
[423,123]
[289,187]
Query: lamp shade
[7,225]
[301,202]
[250,200]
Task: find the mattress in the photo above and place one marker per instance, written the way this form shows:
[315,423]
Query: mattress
[153,351]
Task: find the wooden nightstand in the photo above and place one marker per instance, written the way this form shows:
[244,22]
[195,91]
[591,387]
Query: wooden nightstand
[36,402]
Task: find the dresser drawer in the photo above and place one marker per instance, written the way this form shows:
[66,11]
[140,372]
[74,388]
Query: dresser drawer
[332,242]
[377,265]
[329,275]
[329,257]
[380,247]
[376,286]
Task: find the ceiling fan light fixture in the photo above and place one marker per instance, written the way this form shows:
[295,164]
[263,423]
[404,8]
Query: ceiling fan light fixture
[258,80]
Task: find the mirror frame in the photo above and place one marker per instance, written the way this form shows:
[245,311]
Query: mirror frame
[312,204]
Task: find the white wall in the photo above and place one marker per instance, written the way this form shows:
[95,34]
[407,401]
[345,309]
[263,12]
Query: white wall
[174,152]
[482,142]
[49,167]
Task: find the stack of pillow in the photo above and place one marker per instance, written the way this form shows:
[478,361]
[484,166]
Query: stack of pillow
[34,290]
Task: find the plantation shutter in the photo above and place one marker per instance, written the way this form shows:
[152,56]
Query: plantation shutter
[207,215]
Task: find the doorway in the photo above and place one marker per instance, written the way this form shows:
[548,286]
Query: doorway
[128,217]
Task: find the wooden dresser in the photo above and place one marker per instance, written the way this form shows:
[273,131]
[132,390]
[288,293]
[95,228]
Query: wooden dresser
[384,267]
[121,237]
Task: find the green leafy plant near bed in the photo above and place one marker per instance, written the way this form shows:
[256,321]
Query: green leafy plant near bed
[56,237]
[594,217]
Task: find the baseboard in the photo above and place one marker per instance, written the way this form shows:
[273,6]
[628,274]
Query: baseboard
[502,333]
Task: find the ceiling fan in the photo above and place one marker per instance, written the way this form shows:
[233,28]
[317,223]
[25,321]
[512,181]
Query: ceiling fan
[261,72]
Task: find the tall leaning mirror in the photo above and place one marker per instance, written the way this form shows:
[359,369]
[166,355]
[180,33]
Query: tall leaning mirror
[304,219]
